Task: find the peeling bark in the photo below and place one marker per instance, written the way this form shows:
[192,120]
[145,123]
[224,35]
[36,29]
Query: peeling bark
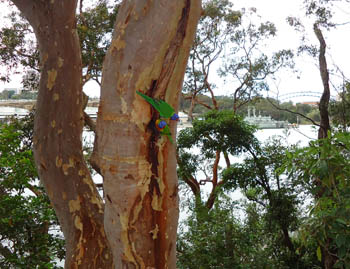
[149,52]
[57,134]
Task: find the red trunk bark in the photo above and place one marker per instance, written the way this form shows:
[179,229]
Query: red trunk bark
[58,134]
[149,53]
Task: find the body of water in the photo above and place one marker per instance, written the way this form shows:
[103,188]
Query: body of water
[6,111]
[301,135]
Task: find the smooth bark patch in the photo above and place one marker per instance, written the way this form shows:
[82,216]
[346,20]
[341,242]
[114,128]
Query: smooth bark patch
[51,78]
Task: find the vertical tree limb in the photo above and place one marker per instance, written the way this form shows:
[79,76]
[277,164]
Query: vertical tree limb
[149,52]
[324,101]
[58,134]
[327,258]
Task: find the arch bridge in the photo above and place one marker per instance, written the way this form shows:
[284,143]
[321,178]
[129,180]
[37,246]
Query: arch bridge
[290,95]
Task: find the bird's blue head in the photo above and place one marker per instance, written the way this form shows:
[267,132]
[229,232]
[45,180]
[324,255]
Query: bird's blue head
[161,124]
[174,117]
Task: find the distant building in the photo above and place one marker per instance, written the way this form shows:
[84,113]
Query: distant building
[183,120]
[263,122]
[310,103]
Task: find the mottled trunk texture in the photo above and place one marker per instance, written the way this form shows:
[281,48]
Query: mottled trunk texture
[149,51]
[58,130]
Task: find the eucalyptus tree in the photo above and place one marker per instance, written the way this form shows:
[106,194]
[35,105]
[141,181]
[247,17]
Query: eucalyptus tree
[219,134]
[136,226]
[229,38]
[276,196]
[321,13]
[247,64]
[217,23]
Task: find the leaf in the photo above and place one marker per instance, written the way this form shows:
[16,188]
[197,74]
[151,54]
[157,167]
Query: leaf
[341,221]
[319,254]
[340,241]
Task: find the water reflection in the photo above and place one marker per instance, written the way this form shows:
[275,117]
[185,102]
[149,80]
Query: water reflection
[12,110]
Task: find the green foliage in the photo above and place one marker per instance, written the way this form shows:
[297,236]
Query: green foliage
[217,131]
[219,239]
[264,239]
[199,149]
[26,95]
[95,27]
[245,65]
[29,231]
[30,81]
[323,169]
[321,10]
[214,27]
[259,179]
[210,240]
[262,105]
[315,115]
[6,94]
[276,231]
[340,109]
[232,37]
[18,47]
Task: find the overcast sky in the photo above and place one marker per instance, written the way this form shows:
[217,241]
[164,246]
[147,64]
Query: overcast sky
[276,11]
[338,41]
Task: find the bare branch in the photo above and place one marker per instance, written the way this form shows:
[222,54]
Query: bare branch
[34,190]
[293,112]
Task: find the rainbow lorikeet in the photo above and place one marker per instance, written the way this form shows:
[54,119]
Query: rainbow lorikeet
[163,128]
[165,110]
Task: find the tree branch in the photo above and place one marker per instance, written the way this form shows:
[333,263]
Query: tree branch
[227,159]
[189,180]
[34,190]
[213,193]
[324,101]
[87,119]
[293,112]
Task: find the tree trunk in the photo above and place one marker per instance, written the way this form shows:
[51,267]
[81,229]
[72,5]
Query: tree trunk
[58,134]
[190,110]
[149,52]
[328,259]
[324,101]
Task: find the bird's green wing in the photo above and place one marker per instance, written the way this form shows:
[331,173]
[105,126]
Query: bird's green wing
[164,109]
[166,131]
